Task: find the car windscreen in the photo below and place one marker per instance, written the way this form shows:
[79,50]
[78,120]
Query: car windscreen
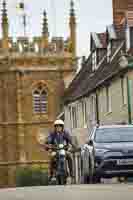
[108,135]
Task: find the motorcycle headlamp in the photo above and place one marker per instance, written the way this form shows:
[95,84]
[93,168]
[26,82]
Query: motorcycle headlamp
[61,146]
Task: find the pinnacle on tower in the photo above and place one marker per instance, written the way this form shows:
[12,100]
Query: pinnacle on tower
[4,21]
[45,33]
[72,24]
[45,25]
[72,11]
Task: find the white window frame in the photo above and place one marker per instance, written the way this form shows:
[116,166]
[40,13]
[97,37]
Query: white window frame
[94,60]
[109,51]
[127,38]
[78,115]
[84,110]
[74,117]
[20,47]
[70,116]
[36,47]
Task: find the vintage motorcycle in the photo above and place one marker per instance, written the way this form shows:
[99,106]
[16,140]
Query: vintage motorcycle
[61,166]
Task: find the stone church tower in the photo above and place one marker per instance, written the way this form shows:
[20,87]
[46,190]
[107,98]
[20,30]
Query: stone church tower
[33,76]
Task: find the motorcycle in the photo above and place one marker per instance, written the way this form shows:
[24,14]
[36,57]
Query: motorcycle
[61,168]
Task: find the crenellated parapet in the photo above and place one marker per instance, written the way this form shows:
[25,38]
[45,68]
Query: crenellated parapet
[42,45]
[23,45]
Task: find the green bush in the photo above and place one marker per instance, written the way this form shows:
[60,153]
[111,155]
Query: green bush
[31,177]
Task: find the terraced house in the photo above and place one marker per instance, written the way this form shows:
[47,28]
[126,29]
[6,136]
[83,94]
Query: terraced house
[102,92]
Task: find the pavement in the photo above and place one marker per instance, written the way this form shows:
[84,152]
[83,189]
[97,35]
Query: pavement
[78,192]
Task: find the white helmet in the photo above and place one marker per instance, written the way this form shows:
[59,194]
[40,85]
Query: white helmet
[58,122]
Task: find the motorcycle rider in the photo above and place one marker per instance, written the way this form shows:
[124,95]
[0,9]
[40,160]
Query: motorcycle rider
[58,136]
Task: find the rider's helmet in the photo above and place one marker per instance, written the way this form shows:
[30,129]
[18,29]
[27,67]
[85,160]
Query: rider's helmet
[59,122]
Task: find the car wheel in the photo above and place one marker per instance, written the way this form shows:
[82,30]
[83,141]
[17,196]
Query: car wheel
[84,175]
[88,177]
[93,179]
[85,170]
[85,179]
[96,179]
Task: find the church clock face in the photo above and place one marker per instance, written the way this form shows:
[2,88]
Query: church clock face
[42,135]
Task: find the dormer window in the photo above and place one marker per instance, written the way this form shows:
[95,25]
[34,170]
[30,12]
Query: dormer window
[94,60]
[109,48]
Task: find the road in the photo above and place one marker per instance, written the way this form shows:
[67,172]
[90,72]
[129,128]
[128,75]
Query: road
[92,192]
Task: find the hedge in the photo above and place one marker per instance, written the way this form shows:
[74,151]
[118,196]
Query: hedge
[31,177]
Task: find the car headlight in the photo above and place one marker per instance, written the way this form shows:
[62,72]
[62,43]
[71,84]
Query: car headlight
[101,151]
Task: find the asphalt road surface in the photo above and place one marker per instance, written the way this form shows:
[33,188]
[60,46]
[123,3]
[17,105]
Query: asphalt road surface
[83,192]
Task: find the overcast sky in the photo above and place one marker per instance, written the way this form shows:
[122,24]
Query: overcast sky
[92,16]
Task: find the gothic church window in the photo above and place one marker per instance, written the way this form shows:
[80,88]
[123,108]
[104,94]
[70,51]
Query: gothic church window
[40,100]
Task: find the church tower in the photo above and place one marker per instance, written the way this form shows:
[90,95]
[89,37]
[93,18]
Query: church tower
[33,77]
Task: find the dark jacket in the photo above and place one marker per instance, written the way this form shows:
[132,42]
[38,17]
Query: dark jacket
[57,138]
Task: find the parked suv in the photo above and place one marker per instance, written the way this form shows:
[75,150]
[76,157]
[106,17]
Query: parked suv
[108,153]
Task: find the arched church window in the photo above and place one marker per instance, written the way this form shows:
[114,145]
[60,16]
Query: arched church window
[44,101]
[40,100]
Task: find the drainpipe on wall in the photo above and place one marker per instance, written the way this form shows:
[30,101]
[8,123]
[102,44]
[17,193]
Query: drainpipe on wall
[129,100]
[97,110]
[130,65]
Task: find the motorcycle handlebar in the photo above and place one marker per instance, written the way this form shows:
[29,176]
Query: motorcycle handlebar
[57,148]
[66,147]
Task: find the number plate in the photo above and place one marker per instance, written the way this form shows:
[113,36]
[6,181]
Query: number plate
[62,152]
[125,162]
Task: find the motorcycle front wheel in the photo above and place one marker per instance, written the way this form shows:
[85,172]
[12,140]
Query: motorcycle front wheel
[61,180]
